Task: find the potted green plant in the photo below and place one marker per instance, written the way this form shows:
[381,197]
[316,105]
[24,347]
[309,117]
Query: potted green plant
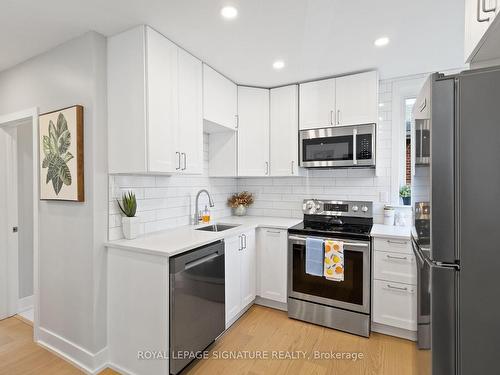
[240,202]
[405,194]
[130,223]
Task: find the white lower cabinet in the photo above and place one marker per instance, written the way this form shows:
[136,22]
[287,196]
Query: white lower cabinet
[272,264]
[239,264]
[394,286]
[395,304]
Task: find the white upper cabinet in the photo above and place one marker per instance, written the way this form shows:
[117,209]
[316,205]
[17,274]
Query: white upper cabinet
[284,131]
[219,100]
[481,36]
[348,100]
[155,121]
[162,101]
[356,99]
[253,132]
[190,130]
[317,104]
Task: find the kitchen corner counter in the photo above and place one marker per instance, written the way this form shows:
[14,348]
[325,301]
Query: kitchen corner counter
[392,231]
[178,240]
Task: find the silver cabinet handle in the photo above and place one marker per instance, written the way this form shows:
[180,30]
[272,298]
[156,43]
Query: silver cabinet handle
[338,116]
[237,118]
[398,258]
[240,247]
[479,19]
[178,154]
[267,168]
[292,166]
[331,117]
[489,10]
[354,144]
[398,242]
[273,231]
[405,289]
[185,161]
[244,237]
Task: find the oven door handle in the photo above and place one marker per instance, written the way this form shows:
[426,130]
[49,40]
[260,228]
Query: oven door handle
[303,239]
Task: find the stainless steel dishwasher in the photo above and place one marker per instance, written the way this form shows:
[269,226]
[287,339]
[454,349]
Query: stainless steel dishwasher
[197,302]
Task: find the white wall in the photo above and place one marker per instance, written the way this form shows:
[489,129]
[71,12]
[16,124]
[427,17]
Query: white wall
[25,208]
[72,266]
[168,201]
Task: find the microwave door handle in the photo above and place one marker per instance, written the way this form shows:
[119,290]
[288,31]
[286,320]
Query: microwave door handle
[354,151]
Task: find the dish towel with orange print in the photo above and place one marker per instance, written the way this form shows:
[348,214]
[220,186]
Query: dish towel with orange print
[334,260]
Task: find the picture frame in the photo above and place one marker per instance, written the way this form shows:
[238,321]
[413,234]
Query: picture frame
[61,162]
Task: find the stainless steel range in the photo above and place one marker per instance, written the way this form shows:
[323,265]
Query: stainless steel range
[343,305]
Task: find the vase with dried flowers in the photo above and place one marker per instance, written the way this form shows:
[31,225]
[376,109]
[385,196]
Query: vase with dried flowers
[240,202]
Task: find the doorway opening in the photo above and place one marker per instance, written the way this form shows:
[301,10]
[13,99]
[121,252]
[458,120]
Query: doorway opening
[19,222]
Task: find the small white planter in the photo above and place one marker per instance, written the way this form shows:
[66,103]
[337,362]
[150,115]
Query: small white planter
[130,226]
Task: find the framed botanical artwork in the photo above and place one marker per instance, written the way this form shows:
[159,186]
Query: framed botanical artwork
[61,155]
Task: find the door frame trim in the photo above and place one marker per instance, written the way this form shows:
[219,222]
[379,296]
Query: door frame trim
[10,120]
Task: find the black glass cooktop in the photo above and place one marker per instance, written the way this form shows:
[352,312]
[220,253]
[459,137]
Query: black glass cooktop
[334,226]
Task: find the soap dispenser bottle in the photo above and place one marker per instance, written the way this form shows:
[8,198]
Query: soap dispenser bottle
[205,217]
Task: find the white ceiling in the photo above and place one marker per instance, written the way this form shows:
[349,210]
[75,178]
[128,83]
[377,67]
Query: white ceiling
[315,38]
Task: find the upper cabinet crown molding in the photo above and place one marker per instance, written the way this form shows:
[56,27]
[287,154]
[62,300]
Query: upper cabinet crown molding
[155,122]
[482,32]
[219,101]
[347,100]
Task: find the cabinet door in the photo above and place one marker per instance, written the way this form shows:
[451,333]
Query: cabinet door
[395,304]
[162,101]
[253,131]
[232,263]
[219,99]
[356,98]
[273,264]
[248,263]
[476,23]
[189,139]
[317,104]
[284,131]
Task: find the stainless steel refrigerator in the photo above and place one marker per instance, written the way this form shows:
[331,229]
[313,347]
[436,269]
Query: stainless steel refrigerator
[456,240]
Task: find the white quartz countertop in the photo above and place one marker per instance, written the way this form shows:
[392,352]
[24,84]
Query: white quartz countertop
[392,231]
[178,240]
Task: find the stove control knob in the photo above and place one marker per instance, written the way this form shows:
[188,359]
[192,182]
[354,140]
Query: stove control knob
[364,209]
[355,208]
[309,207]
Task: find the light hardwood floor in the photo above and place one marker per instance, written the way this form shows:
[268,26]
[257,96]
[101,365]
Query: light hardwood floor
[260,329]
[264,329]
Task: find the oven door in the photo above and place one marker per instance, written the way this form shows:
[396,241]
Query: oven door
[343,146]
[351,294]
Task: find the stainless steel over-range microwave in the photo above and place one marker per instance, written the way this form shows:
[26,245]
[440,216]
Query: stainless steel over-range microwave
[341,146]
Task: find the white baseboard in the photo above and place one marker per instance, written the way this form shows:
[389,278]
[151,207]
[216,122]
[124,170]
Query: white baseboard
[119,369]
[394,331]
[25,303]
[90,363]
[270,303]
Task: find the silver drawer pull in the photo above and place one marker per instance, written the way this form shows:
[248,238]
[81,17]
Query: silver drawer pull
[398,242]
[398,258]
[478,15]
[405,289]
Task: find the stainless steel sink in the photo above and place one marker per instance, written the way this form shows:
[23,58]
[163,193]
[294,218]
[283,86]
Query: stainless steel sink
[217,227]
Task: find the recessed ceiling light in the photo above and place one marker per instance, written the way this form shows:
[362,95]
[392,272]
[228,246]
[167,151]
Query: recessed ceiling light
[229,12]
[381,104]
[383,41]
[278,64]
